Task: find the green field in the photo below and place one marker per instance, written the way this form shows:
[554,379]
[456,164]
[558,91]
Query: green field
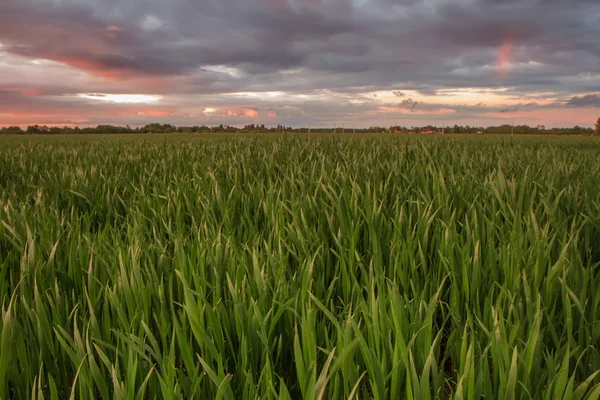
[329,267]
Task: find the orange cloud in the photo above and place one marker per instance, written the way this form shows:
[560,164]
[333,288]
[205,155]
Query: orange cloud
[158,113]
[30,92]
[272,115]
[113,28]
[151,113]
[243,112]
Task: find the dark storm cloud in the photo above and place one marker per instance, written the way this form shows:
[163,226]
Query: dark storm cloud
[373,44]
[14,102]
[519,107]
[298,46]
[589,100]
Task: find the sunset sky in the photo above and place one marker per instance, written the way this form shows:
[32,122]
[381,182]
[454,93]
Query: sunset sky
[295,62]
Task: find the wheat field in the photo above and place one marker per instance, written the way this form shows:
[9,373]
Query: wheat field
[298,267]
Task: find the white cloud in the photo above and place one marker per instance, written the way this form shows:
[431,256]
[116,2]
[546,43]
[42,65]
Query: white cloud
[151,23]
[223,69]
[121,98]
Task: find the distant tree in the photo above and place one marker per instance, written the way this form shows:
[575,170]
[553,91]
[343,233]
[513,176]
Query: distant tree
[11,130]
[597,130]
[33,129]
[158,128]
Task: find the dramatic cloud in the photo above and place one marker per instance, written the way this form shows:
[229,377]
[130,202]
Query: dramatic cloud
[519,107]
[590,100]
[300,61]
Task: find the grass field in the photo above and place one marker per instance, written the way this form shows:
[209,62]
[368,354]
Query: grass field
[295,267]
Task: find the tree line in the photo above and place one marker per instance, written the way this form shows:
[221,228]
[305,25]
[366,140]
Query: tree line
[255,128]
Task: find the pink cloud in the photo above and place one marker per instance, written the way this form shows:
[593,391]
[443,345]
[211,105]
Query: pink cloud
[280,6]
[558,117]
[91,66]
[505,53]
[113,31]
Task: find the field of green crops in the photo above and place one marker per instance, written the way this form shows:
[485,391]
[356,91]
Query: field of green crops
[299,268]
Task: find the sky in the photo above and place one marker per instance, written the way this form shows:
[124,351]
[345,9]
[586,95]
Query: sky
[298,62]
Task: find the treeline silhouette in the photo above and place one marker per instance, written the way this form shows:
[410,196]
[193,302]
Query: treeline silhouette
[253,128]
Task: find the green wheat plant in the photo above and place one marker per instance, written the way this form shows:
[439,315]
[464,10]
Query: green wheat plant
[299,268]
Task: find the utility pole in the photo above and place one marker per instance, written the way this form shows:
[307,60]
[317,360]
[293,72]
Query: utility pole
[343,127]
[443,128]
[512,132]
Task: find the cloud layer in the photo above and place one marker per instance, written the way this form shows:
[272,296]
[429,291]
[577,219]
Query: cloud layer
[296,62]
